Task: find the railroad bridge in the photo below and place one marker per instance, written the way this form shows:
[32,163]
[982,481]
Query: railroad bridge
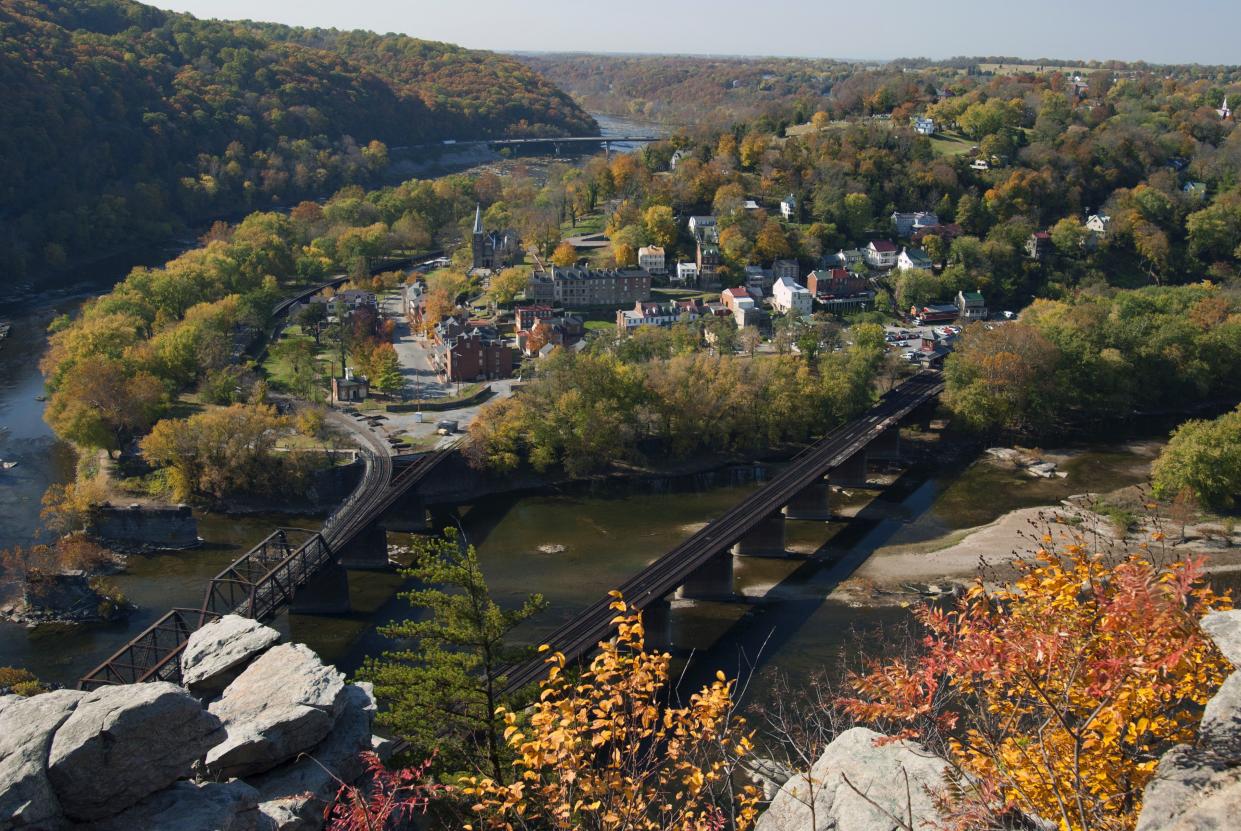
[702,566]
[557,142]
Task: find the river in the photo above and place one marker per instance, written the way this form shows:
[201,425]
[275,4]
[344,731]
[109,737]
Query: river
[572,544]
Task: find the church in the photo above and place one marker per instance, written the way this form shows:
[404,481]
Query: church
[494,249]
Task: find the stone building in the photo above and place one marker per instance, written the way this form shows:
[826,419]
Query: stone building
[494,249]
[579,286]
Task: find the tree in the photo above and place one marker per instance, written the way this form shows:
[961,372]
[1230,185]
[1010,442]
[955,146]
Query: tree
[443,697]
[385,369]
[1057,694]
[101,403]
[660,225]
[624,254]
[1004,378]
[312,317]
[857,213]
[1069,236]
[1204,458]
[505,286]
[565,255]
[607,752]
[916,288]
[772,243]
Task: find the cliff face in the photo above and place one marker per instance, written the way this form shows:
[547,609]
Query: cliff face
[858,786]
[258,740]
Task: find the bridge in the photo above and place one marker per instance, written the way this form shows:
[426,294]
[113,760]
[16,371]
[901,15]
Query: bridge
[702,566]
[557,142]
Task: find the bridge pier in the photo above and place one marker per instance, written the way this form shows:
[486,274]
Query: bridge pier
[713,580]
[852,472]
[327,593]
[812,502]
[407,516]
[367,551]
[887,445]
[763,540]
[657,625]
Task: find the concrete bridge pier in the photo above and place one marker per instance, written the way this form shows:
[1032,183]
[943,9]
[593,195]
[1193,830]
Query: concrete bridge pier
[657,625]
[852,473]
[811,503]
[327,593]
[368,551]
[764,540]
[713,580]
[887,446]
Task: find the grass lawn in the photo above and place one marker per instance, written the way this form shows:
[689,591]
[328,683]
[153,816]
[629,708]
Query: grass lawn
[598,325]
[415,443]
[591,224]
[950,144]
[684,294]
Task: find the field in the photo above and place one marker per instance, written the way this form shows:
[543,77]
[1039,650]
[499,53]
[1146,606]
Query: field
[950,144]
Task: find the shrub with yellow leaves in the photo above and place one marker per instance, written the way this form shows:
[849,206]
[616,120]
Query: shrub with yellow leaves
[607,751]
[1058,693]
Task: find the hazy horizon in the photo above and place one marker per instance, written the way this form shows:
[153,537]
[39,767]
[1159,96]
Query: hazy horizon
[1057,29]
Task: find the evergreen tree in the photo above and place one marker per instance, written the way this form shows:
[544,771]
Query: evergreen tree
[441,693]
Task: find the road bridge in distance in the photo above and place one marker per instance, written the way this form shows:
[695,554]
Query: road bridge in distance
[702,566]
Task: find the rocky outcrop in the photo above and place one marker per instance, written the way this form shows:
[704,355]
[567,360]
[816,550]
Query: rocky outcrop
[27,727]
[217,653]
[857,785]
[124,742]
[210,806]
[285,702]
[1198,787]
[67,597]
[135,756]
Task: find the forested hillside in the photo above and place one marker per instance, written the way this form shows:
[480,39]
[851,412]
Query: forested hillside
[122,122]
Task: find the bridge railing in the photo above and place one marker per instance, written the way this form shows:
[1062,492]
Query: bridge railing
[155,655]
[232,588]
[278,587]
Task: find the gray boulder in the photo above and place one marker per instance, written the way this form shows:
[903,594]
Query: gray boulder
[27,726]
[1220,729]
[292,797]
[217,653]
[856,786]
[285,702]
[122,743]
[1192,791]
[213,806]
[1225,629]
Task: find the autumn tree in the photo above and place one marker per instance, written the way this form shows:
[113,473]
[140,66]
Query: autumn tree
[510,282]
[608,751]
[1203,458]
[385,369]
[443,695]
[102,403]
[1003,378]
[772,242]
[1057,694]
[565,254]
[660,225]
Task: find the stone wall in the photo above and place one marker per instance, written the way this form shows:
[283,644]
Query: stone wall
[257,740]
[145,527]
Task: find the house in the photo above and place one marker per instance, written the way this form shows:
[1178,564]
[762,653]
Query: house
[947,232]
[907,223]
[708,266]
[971,305]
[980,164]
[759,280]
[350,388]
[785,268]
[751,205]
[567,330]
[737,297]
[679,155]
[526,316]
[651,258]
[1198,189]
[698,226]
[913,258]
[581,286]
[924,126]
[1097,226]
[941,313]
[494,249]
[854,259]
[687,273]
[881,253]
[476,355]
[1038,245]
[1224,111]
[657,314]
[839,290]
[788,207]
[788,296]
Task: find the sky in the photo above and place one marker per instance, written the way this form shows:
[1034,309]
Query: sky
[1158,31]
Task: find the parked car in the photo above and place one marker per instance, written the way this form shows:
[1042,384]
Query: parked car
[446,427]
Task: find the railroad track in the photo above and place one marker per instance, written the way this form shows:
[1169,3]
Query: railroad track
[581,635]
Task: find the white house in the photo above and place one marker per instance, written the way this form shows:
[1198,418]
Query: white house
[924,126]
[881,253]
[787,296]
[788,207]
[913,258]
[698,225]
[677,157]
[687,273]
[1098,224]
[651,258]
